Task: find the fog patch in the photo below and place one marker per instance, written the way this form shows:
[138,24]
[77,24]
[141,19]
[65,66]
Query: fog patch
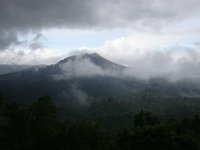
[174,65]
[73,96]
[80,96]
[78,68]
[82,67]
[166,64]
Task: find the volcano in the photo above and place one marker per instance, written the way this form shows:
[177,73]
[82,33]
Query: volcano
[82,77]
[27,85]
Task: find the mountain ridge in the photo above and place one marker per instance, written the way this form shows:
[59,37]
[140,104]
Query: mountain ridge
[27,85]
[94,58]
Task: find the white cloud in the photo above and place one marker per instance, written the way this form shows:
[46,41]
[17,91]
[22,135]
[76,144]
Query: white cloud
[83,67]
[80,67]
[36,57]
[155,55]
[129,49]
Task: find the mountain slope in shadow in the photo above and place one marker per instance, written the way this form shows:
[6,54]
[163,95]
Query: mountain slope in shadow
[54,80]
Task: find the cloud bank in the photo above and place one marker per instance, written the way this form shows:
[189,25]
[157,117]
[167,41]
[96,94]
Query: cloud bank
[83,67]
[175,65]
[39,14]
[24,16]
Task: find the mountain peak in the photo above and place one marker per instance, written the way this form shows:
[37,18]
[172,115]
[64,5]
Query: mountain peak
[95,54]
[94,58]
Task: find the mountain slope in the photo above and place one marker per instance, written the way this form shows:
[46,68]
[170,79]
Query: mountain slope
[5,69]
[84,77]
[31,83]
[95,59]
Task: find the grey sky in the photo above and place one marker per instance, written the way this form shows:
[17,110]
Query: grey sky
[28,15]
[156,31]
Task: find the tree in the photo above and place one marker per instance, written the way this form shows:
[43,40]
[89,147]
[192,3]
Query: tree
[1,104]
[15,133]
[44,125]
[145,118]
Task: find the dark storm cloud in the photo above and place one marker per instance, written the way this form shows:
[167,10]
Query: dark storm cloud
[9,39]
[34,15]
[38,14]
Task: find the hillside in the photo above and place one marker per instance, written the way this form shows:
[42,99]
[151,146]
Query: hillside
[85,77]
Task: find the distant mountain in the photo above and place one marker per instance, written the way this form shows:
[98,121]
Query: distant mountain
[84,77]
[27,85]
[5,69]
[95,59]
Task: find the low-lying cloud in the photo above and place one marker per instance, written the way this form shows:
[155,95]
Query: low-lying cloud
[168,64]
[174,65]
[82,67]
[80,95]
[149,56]
[79,68]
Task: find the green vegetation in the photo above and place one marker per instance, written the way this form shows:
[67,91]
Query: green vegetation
[41,126]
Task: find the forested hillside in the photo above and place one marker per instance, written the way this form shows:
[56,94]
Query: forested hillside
[41,126]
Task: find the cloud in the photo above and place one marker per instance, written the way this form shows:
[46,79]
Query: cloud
[35,45]
[35,15]
[39,14]
[78,68]
[36,42]
[149,56]
[82,66]
[30,57]
[74,96]
[152,54]
[129,50]
[9,39]
[38,37]
[80,96]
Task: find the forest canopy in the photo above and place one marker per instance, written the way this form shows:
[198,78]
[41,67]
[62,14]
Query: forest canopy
[41,126]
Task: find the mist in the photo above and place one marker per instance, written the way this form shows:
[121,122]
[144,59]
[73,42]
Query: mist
[83,67]
[171,65]
[80,96]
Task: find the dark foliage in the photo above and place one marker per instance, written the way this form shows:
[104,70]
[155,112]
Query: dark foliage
[39,127]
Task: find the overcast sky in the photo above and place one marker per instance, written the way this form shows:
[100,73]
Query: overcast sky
[138,33]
